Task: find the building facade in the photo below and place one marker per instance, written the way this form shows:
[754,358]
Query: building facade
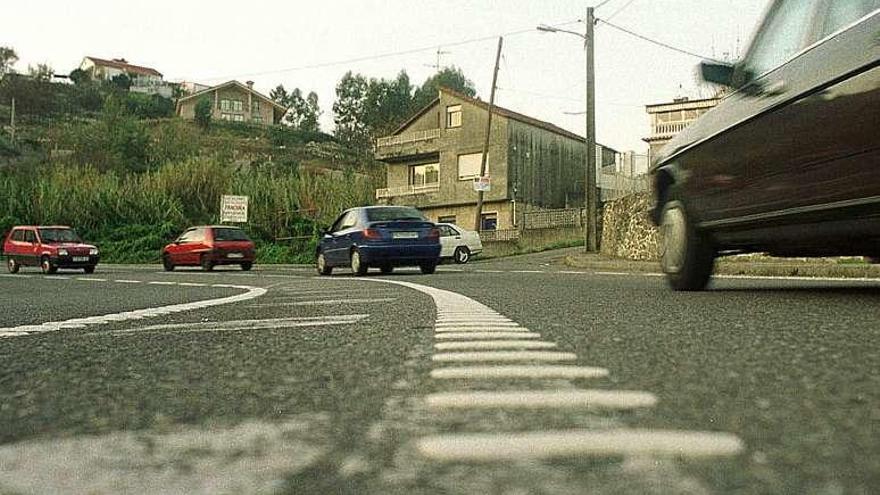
[234,102]
[143,79]
[668,119]
[433,159]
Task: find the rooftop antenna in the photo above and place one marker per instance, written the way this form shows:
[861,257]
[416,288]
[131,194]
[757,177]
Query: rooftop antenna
[440,52]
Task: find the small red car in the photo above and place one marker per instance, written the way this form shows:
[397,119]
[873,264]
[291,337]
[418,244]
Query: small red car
[49,247]
[208,246]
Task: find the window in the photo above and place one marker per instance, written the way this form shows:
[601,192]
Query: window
[257,118]
[187,237]
[59,235]
[17,235]
[782,35]
[237,105]
[226,116]
[469,166]
[230,234]
[453,116]
[423,175]
[30,236]
[349,221]
[255,106]
[226,105]
[238,118]
[446,219]
[384,214]
[842,13]
[489,221]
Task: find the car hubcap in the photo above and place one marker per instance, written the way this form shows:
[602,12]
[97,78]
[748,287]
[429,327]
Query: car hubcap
[463,256]
[321,262]
[11,264]
[673,239]
[355,261]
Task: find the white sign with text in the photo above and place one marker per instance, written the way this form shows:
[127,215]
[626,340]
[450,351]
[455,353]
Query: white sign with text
[233,209]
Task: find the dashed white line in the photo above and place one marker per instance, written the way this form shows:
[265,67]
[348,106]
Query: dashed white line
[513,371]
[126,281]
[577,443]
[324,302]
[541,399]
[450,357]
[494,344]
[161,283]
[481,328]
[487,335]
[91,279]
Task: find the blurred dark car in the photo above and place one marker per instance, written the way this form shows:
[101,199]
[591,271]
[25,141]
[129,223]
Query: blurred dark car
[789,162]
[379,236]
[208,246]
[49,247]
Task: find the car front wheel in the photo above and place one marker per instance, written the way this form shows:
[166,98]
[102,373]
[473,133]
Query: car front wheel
[686,255]
[358,267]
[12,265]
[428,268]
[47,266]
[207,264]
[89,269]
[461,255]
[167,264]
[247,265]
[322,266]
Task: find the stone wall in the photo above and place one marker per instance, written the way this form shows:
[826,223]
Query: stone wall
[627,232]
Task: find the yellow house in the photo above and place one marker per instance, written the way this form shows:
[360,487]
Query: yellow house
[235,102]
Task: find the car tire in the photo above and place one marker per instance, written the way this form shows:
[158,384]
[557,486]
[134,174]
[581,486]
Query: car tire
[322,266]
[89,269]
[167,264]
[357,266]
[428,268]
[386,269]
[12,265]
[687,256]
[461,255]
[47,266]
[247,265]
[206,263]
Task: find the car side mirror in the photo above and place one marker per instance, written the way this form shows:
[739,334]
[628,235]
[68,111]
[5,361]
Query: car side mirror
[717,73]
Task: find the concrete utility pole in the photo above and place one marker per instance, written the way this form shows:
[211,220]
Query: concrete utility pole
[479,217]
[591,230]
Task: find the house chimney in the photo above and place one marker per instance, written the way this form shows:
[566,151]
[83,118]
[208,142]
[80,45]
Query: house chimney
[250,84]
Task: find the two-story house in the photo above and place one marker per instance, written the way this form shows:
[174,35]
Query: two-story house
[143,79]
[434,157]
[234,102]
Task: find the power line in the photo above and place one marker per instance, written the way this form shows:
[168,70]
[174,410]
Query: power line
[658,43]
[382,55]
[621,9]
[597,7]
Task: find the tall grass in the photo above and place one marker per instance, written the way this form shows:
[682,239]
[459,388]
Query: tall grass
[133,215]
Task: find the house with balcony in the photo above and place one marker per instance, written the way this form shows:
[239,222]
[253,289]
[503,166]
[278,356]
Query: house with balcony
[668,119]
[234,102]
[143,79]
[434,157]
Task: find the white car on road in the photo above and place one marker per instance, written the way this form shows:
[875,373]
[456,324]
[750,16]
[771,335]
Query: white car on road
[458,243]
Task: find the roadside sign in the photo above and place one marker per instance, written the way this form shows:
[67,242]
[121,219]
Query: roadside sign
[233,209]
[482,184]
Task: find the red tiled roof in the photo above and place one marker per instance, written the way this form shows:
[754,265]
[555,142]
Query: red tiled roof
[125,66]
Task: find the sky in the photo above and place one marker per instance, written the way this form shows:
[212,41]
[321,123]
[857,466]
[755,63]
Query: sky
[310,45]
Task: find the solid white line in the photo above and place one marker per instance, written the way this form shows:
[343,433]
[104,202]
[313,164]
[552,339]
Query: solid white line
[612,273]
[161,283]
[191,284]
[571,272]
[541,399]
[527,271]
[486,335]
[324,302]
[251,293]
[90,279]
[489,271]
[494,344]
[457,357]
[271,323]
[578,443]
[125,281]
[504,372]
[483,328]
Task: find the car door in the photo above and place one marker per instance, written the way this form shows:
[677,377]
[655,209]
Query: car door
[180,250]
[340,238]
[30,248]
[449,240]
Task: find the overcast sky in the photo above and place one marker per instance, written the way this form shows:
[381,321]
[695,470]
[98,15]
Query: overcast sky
[271,43]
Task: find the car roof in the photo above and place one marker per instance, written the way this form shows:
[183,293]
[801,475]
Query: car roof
[40,227]
[214,227]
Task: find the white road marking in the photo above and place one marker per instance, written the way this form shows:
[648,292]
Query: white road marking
[541,399]
[509,371]
[494,344]
[486,335]
[191,284]
[482,328]
[612,273]
[571,272]
[578,443]
[251,293]
[162,283]
[489,271]
[527,271]
[447,322]
[91,279]
[457,357]
[324,302]
[216,326]
[126,281]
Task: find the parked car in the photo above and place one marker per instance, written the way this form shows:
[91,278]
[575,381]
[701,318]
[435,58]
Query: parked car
[379,236]
[49,247]
[789,162]
[458,244]
[208,246]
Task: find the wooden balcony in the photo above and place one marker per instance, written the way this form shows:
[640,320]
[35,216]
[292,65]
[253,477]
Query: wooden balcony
[412,144]
[392,192]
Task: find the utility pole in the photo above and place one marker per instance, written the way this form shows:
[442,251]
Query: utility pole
[591,230]
[479,217]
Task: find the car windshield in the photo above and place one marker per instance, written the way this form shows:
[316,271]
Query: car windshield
[59,235]
[230,235]
[394,213]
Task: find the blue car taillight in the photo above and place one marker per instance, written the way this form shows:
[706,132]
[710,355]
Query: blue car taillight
[372,234]
[434,233]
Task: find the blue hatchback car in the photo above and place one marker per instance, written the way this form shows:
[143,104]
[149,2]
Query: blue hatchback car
[381,237]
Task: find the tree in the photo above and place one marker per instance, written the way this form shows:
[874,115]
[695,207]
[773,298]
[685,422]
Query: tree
[279,95]
[310,118]
[79,77]
[121,81]
[8,58]
[448,77]
[349,109]
[203,110]
[42,72]
[302,113]
[388,104]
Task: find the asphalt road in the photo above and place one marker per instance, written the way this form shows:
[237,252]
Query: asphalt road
[277,381]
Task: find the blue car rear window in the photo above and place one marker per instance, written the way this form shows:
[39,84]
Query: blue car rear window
[394,213]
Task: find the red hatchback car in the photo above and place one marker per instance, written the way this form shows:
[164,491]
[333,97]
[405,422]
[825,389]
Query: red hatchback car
[208,246]
[49,247]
